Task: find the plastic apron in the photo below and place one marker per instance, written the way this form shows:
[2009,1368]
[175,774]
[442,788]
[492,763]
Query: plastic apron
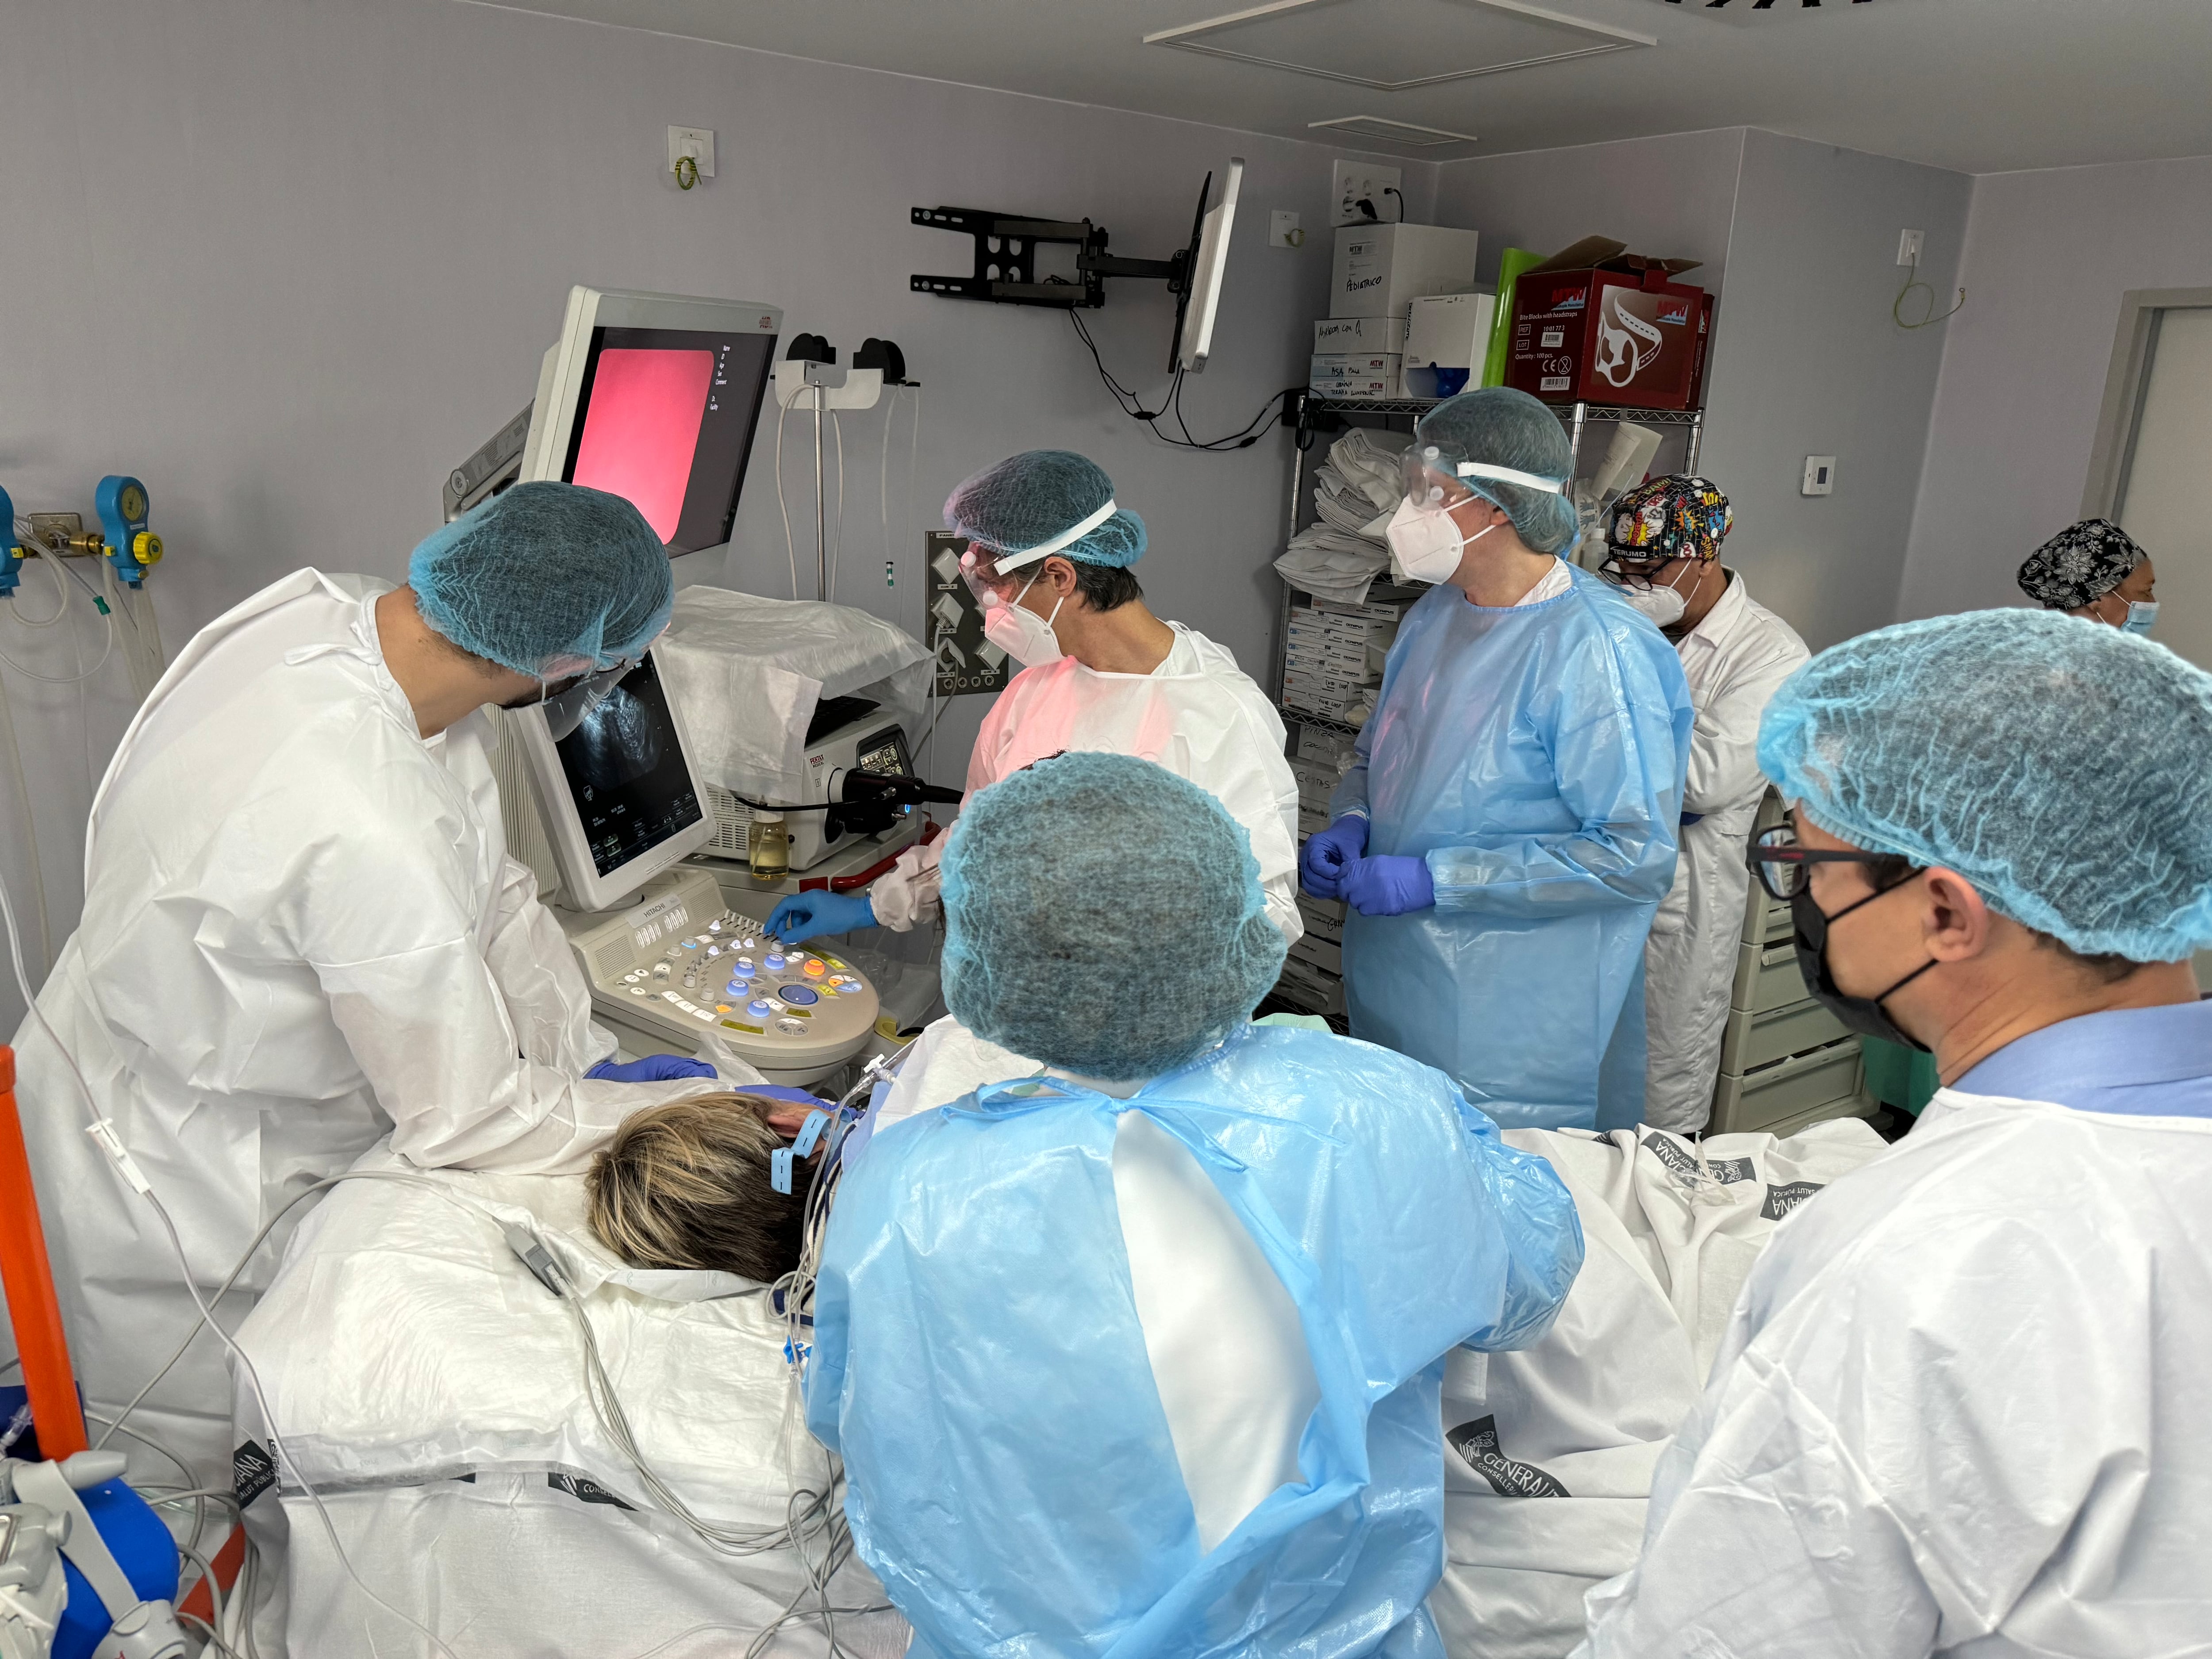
[1534,757]
[979,1363]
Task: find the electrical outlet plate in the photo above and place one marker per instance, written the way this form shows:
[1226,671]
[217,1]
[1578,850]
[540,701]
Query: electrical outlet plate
[1350,182]
[1283,230]
[1908,247]
[1820,476]
[697,143]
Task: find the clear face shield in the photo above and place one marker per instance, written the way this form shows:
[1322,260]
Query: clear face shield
[1430,484]
[998,579]
[577,700]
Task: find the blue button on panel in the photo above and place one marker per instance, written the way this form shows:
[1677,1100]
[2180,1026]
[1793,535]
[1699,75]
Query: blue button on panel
[800,996]
[773,961]
[759,1007]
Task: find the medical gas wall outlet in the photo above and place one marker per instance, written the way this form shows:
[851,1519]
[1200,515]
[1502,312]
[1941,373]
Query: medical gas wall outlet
[132,547]
[1820,476]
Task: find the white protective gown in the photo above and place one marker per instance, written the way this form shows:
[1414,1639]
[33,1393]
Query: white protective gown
[1734,659]
[1197,713]
[302,932]
[1959,1409]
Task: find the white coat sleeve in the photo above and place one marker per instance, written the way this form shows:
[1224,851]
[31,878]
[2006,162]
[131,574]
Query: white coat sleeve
[909,891]
[546,994]
[383,916]
[1724,742]
[1265,800]
[1886,1462]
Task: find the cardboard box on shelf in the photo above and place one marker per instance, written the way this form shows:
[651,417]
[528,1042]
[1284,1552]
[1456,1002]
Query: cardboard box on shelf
[1705,347]
[1324,917]
[1325,954]
[1381,268]
[1374,609]
[1593,324]
[1322,747]
[1348,374]
[1361,334]
[1304,986]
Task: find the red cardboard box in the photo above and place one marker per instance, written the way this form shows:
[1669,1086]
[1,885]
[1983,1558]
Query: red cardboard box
[1705,346]
[1605,337]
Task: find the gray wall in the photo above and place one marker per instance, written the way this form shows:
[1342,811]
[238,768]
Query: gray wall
[2048,256]
[1670,197]
[1807,360]
[290,262]
[1798,242]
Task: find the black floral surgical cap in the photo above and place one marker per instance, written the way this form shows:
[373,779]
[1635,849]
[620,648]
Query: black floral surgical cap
[2080,565]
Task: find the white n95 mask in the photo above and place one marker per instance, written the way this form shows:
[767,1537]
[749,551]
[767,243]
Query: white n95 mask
[1663,605]
[1020,632]
[1425,544]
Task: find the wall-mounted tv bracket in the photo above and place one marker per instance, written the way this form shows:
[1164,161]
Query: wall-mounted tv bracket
[1005,260]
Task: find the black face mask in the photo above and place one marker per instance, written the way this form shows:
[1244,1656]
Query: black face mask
[1862,1016]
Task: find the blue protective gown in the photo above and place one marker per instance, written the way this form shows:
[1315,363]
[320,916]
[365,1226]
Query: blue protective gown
[1533,757]
[979,1363]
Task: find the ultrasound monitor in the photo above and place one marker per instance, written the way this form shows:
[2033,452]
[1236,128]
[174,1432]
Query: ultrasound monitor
[620,800]
[654,398]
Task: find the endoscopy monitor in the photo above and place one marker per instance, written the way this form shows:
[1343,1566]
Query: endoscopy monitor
[1209,260]
[619,798]
[655,398]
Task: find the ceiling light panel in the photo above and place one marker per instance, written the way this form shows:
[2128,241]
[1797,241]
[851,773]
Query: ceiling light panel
[1395,46]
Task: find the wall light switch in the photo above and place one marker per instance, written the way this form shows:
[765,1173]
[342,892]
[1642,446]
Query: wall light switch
[1283,230]
[697,143]
[1820,476]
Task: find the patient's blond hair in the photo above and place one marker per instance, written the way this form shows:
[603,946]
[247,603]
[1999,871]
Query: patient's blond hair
[688,1185]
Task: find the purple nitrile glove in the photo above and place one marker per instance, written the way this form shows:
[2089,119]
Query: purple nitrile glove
[1328,854]
[653,1069]
[1389,886]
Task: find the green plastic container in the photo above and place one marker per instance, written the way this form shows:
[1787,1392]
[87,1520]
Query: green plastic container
[1897,1075]
[1509,267]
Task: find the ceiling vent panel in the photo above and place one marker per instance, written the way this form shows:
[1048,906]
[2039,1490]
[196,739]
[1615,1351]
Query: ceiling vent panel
[1383,130]
[1396,45]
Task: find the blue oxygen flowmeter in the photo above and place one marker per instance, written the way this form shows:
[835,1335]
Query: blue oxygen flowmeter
[11,556]
[131,547]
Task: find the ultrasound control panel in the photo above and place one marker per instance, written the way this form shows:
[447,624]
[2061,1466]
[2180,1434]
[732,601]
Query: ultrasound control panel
[678,967]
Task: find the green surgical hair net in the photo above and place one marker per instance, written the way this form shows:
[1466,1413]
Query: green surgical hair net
[1032,498]
[2061,766]
[1506,428]
[1104,915]
[546,578]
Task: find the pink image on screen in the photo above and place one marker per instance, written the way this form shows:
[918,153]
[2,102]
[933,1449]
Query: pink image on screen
[642,429]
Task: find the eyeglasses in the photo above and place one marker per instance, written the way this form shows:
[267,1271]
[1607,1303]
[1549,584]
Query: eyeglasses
[1631,573]
[1784,868]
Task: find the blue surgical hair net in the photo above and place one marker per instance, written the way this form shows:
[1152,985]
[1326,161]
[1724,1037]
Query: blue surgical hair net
[1030,498]
[546,578]
[2063,767]
[1104,915]
[1507,428]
